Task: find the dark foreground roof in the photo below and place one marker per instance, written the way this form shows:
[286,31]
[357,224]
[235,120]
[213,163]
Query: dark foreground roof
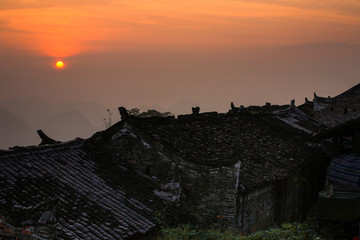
[298,119]
[99,196]
[339,109]
[88,206]
[353,91]
[347,129]
[268,146]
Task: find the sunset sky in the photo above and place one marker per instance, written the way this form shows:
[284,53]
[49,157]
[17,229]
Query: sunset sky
[161,53]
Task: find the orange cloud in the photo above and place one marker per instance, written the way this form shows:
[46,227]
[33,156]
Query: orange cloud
[63,28]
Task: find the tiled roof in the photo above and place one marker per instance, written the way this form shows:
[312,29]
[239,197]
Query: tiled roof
[87,207]
[100,197]
[267,147]
[296,118]
[339,109]
[307,107]
[352,91]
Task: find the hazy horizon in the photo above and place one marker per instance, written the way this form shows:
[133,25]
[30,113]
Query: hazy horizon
[170,55]
[64,121]
[210,79]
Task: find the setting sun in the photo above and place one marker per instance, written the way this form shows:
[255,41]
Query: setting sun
[59,64]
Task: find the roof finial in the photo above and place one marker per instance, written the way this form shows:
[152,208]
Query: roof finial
[292,103]
[195,110]
[124,113]
[315,96]
[45,139]
[233,107]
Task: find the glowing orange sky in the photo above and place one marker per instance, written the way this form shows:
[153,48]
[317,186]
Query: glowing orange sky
[142,53]
[63,28]
[171,55]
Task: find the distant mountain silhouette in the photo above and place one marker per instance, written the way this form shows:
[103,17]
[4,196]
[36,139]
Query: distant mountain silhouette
[14,131]
[183,107]
[36,111]
[67,126]
[144,108]
[62,122]
[32,110]
[93,111]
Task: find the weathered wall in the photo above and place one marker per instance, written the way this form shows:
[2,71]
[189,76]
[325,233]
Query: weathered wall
[209,195]
[212,197]
[269,205]
[295,195]
[256,209]
[287,206]
[129,149]
[287,200]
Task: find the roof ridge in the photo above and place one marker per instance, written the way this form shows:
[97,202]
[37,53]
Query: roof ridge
[337,96]
[349,90]
[17,149]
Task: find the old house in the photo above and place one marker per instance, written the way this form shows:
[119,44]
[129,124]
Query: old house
[89,201]
[340,199]
[339,202]
[244,170]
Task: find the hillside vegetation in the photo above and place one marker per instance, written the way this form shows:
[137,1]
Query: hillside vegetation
[287,231]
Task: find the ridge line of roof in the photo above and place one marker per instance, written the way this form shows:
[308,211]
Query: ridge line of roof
[341,94]
[17,149]
[349,90]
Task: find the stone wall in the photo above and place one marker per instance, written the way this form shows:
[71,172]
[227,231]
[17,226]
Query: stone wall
[129,149]
[207,194]
[256,209]
[210,195]
[286,200]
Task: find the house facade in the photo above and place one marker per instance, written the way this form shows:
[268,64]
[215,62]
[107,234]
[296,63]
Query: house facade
[244,170]
[239,171]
